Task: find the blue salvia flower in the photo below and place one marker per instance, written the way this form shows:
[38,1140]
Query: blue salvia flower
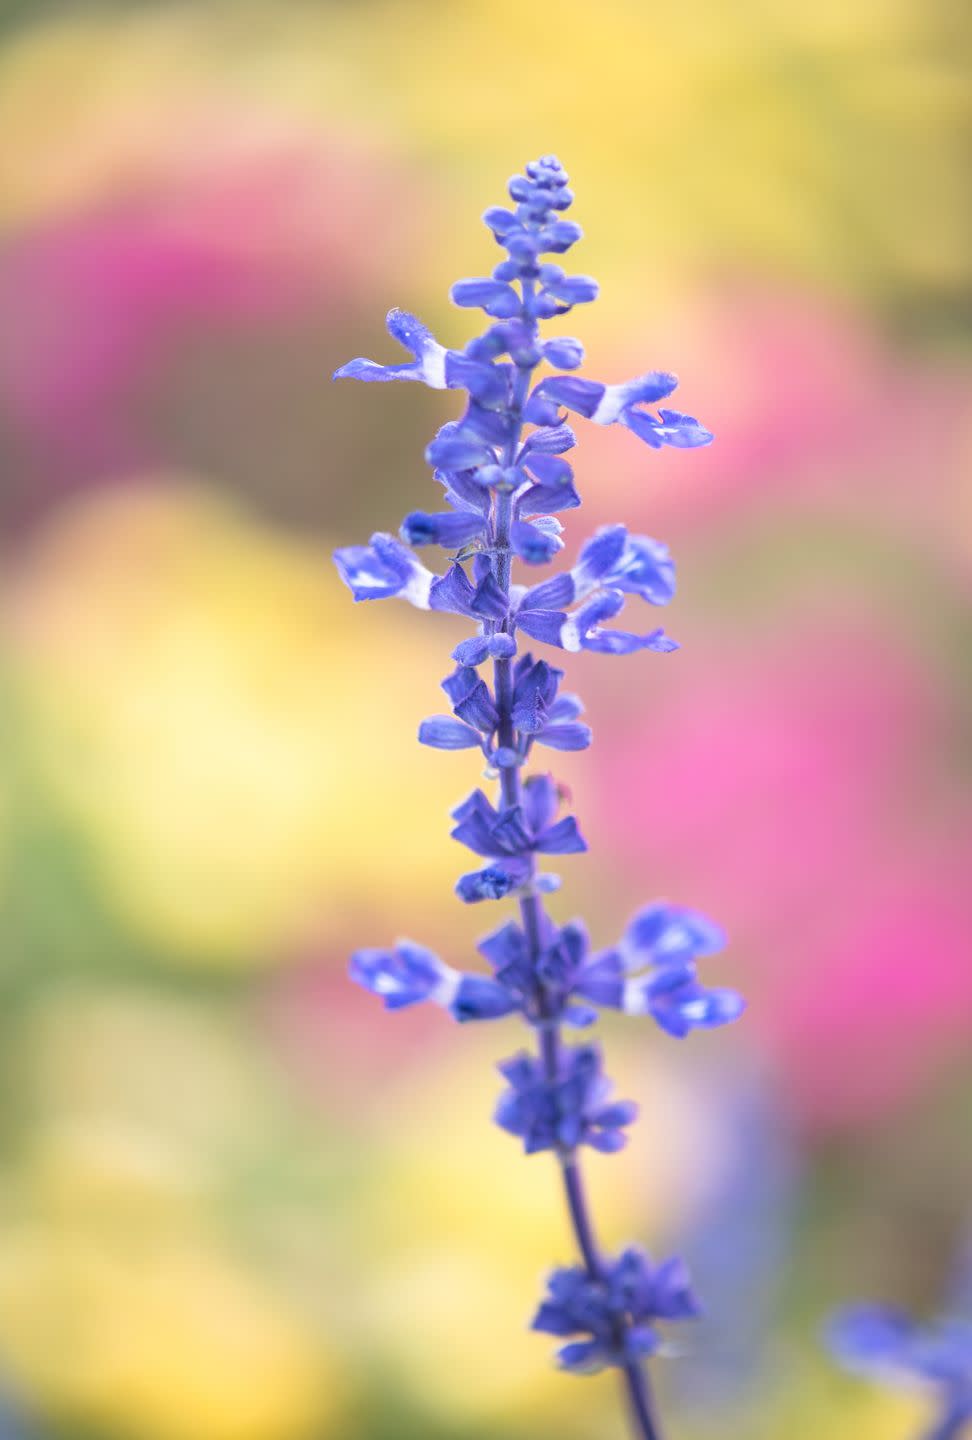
[504,481]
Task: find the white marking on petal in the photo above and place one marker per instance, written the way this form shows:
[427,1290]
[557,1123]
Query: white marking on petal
[634,998]
[570,636]
[433,364]
[610,405]
[418,591]
[631,957]
[447,987]
[583,582]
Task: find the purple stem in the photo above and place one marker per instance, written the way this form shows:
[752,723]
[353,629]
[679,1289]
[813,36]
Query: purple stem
[531,911]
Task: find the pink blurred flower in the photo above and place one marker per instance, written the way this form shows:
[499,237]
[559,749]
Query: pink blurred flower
[98,302]
[809,402]
[801,792]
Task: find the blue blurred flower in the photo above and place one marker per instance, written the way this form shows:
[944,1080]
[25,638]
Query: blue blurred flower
[884,1343]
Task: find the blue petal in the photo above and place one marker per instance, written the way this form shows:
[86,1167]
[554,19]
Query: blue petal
[452,591]
[479,998]
[640,1341]
[559,236]
[565,707]
[487,383]
[564,838]
[623,642]
[365,575]
[545,625]
[500,221]
[602,606]
[645,568]
[573,289]
[683,431]
[541,410]
[489,600]
[552,594]
[551,440]
[492,883]
[493,296]
[446,528]
[872,1338]
[464,490]
[553,1319]
[565,737]
[533,545]
[565,353]
[664,934]
[619,400]
[584,396]
[503,947]
[409,331]
[455,452]
[404,976]
[478,710]
[444,733]
[598,556]
[502,646]
[370,370]
[428,365]
[615,1115]
[383,569]
[540,801]
[549,469]
[602,980]
[549,499]
[682,1008]
[472,651]
[476,833]
[584,1357]
[460,683]
[674,1298]
[511,833]
[532,693]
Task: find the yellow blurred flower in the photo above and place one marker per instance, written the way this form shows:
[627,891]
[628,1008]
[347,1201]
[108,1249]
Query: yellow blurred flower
[829,1403]
[122,1304]
[205,707]
[751,135]
[162,1340]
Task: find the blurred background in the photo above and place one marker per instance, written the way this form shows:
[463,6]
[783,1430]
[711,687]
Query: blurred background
[237,1200]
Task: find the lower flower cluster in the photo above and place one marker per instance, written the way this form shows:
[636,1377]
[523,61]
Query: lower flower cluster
[569,1109]
[616,1310]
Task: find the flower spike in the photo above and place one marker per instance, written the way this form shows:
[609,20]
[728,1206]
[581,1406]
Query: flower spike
[504,480]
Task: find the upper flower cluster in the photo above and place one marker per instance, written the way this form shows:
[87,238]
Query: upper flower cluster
[484,457]
[652,970]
